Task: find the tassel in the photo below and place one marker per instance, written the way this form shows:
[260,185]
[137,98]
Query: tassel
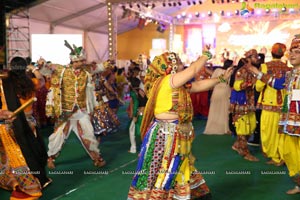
[285,106]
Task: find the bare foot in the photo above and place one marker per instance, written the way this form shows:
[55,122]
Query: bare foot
[131,151]
[272,162]
[100,162]
[50,163]
[295,190]
[251,158]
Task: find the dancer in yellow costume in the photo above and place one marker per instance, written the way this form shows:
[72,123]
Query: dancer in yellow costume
[165,168]
[243,105]
[270,85]
[290,121]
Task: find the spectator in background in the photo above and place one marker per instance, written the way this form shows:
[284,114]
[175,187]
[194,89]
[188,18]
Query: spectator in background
[217,122]
[200,100]
[134,131]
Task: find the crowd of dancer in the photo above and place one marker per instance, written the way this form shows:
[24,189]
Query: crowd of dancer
[84,98]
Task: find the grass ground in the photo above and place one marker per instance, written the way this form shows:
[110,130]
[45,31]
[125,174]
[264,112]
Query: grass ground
[229,176]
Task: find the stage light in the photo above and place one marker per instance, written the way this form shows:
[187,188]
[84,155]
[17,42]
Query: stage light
[237,12]
[197,14]
[291,10]
[194,2]
[283,9]
[179,3]
[200,2]
[222,13]
[267,10]
[164,4]
[174,4]
[209,13]
[258,12]
[170,4]
[161,28]
[189,3]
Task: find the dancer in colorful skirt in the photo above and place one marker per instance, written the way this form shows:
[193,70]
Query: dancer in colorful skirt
[23,152]
[104,119]
[165,168]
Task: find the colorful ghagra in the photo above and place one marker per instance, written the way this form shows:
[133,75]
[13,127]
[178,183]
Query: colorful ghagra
[21,172]
[165,167]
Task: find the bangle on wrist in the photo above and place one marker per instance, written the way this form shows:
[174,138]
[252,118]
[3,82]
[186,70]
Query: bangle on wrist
[207,54]
[222,79]
[259,75]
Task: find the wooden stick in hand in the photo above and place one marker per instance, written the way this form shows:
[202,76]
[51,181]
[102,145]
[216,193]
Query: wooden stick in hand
[22,107]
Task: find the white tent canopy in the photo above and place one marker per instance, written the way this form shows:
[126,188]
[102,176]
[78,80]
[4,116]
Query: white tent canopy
[85,17]
[89,18]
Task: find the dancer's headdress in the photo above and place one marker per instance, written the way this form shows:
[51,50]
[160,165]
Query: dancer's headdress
[166,63]
[278,49]
[295,42]
[77,53]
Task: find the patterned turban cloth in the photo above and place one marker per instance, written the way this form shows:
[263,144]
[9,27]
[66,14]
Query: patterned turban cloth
[250,53]
[278,49]
[166,63]
[295,42]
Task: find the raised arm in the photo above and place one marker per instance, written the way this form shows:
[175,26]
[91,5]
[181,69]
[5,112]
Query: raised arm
[183,76]
[207,84]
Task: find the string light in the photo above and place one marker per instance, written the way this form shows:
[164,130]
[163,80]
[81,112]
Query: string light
[201,15]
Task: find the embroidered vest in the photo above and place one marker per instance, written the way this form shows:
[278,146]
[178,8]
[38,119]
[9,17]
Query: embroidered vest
[276,69]
[73,90]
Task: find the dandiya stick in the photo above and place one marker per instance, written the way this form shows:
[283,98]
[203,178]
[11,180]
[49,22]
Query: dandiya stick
[25,105]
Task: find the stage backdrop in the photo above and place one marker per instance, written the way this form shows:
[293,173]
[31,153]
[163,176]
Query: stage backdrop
[238,37]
